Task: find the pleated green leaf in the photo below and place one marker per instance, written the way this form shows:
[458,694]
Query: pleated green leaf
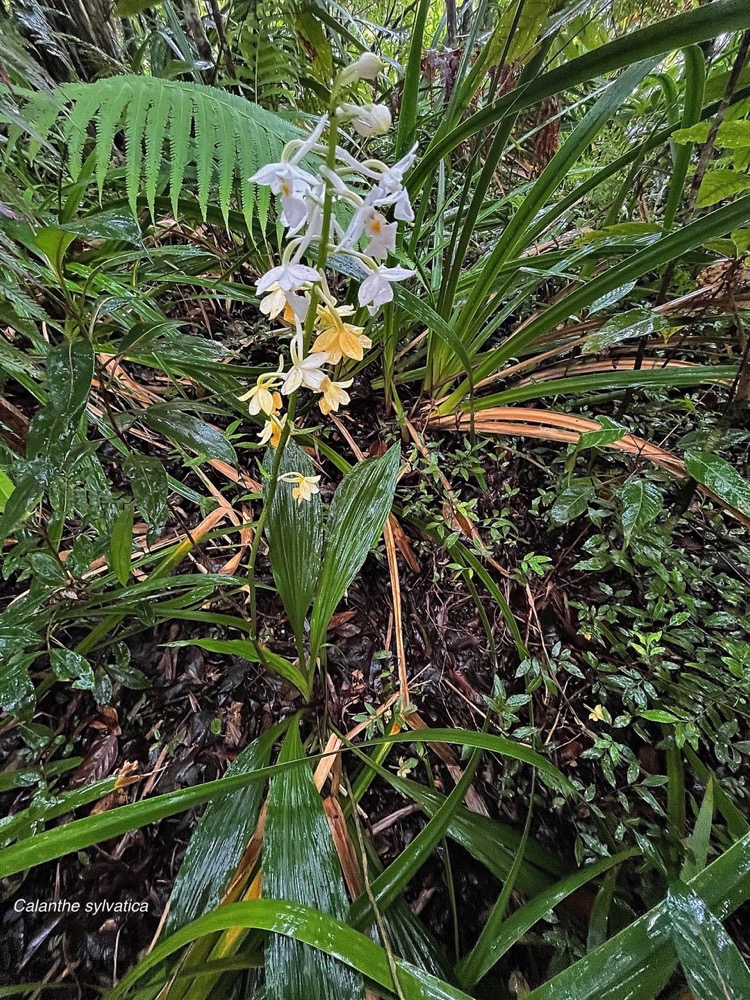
[359,510]
[300,865]
[219,839]
[79,834]
[295,538]
[301,924]
[713,967]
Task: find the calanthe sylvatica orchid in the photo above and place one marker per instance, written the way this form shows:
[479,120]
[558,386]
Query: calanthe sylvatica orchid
[329,202]
[314,202]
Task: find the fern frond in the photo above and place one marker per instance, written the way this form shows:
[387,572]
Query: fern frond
[107,124]
[180,127]
[204,145]
[169,126]
[135,122]
[156,125]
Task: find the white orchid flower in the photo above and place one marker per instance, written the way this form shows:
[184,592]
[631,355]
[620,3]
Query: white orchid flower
[376,289]
[382,234]
[367,67]
[305,370]
[263,397]
[368,119]
[276,301]
[289,277]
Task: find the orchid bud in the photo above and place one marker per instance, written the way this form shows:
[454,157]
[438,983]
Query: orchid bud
[369,119]
[367,67]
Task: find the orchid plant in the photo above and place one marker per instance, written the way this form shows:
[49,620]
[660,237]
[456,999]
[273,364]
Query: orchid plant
[313,201]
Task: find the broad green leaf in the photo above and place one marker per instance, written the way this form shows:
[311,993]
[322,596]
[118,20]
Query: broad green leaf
[16,687]
[719,184]
[121,545]
[609,433]
[6,488]
[572,502]
[642,501]
[712,964]
[731,134]
[734,134]
[56,427]
[696,133]
[719,476]
[300,865]
[28,490]
[148,482]
[220,837]
[190,432]
[67,665]
[112,224]
[53,242]
[295,538]
[358,512]
[625,326]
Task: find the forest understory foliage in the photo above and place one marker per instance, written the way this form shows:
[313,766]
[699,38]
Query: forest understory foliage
[374,500]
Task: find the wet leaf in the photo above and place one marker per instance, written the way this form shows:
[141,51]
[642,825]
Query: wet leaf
[712,964]
[712,471]
[642,501]
[295,538]
[219,839]
[358,513]
[572,502]
[300,865]
[121,544]
[190,432]
[55,428]
[148,482]
[67,665]
[98,762]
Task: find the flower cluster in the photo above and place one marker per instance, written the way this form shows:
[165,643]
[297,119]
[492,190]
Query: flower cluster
[336,208]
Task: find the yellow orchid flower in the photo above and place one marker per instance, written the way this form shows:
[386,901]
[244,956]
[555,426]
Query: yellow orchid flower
[334,394]
[263,397]
[337,338]
[272,430]
[304,486]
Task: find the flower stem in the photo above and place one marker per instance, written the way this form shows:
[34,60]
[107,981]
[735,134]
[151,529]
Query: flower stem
[285,434]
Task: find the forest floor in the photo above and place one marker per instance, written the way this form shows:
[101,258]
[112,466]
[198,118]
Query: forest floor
[601,649]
